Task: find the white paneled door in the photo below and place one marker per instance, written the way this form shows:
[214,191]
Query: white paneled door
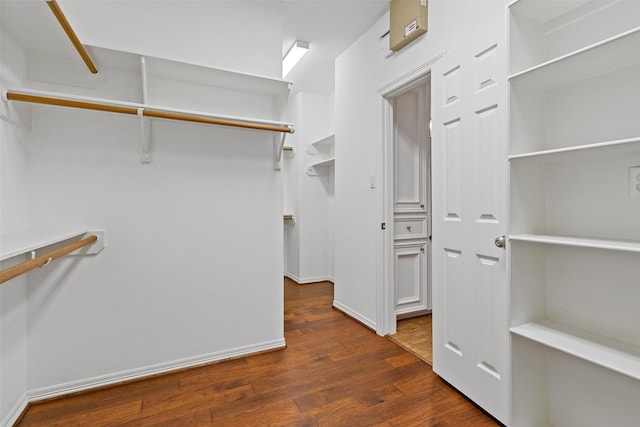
[411,201]
[470,298]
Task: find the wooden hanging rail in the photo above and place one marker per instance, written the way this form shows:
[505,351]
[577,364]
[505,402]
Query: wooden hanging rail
[44,259]
[55,8]
[147,111]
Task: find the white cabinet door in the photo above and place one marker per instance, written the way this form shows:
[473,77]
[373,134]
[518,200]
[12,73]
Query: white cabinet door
[470,298]
[410,267]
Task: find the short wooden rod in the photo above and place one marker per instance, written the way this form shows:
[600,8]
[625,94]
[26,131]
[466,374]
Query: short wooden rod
[55,8]
[158,114]
[37,99]
[44,259]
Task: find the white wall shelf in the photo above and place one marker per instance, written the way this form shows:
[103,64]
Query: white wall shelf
[588,151]
[321,167]
[603,351]
[21,243]
[136,106]
[616,245]
[324,145]
[608,55]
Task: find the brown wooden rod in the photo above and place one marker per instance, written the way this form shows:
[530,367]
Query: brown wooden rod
[158,114]
[44,259]
[11,96]
[55,8]
[287,148]
[48,100]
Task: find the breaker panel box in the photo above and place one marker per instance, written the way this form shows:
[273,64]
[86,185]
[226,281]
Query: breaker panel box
[408,21]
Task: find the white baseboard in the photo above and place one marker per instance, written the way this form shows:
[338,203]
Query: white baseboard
[118,377]
[357,316]
[16,411]
[304,280]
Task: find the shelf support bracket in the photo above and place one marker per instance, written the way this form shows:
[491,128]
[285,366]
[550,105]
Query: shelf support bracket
[278,144]
[144,137]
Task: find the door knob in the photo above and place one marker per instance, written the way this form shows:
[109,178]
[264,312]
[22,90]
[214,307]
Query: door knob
[500,241]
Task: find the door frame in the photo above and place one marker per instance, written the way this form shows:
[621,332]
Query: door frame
[385,289]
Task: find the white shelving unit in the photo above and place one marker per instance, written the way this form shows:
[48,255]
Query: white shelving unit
[575,229]
[324,149]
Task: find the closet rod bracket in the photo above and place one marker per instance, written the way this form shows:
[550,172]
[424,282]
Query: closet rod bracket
[278,145]
[144,137]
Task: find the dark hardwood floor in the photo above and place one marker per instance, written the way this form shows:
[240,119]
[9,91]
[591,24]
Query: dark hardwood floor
[334,372]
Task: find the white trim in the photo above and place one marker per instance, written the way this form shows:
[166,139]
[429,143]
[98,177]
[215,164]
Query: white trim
[397,86]
[385,312]
[16,411]
[118,377]
[306,280]
[354,314]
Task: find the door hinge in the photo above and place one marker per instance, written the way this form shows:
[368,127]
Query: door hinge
[383,226]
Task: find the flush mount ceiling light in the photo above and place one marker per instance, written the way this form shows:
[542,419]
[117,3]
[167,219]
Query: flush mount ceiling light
[294,55]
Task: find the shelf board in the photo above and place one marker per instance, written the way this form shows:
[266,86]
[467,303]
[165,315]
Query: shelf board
[324,163]
[559,155]
[608,55]
[22,242]
[325,142]
[616,245]
[603,351]
[544,11]
[125,104]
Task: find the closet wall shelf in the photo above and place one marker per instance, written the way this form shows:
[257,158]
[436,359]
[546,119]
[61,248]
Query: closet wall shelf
[321,167]
[616,245]
[598,349]
[322,145]
[24,242]
[559,155]
[146,111]
[152,111]
[606,56]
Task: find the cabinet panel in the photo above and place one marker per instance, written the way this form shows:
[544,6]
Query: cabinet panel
[410,281]
[410,118]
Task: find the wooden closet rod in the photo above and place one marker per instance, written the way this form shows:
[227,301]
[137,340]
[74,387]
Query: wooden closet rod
[44,259]
[55,8]
[147,112]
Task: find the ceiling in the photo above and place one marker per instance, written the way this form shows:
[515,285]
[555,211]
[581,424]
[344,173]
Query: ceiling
[329,26]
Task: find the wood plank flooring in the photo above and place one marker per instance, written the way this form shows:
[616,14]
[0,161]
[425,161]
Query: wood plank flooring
[414,335]
[334,372]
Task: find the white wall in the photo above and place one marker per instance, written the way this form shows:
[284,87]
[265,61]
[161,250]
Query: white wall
[13,217]
[291,182]
[192,270]
[360,71]
[310,239]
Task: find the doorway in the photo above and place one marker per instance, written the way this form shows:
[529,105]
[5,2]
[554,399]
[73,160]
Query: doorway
[405,246]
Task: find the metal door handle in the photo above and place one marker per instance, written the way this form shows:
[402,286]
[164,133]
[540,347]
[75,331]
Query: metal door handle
[500,241]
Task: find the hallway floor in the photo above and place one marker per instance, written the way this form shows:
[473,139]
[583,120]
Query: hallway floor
[414,335]
[334,372]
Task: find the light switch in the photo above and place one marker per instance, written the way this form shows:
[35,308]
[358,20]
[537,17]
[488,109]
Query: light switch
[634,182]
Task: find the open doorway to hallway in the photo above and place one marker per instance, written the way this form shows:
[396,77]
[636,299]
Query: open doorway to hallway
[408,161]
